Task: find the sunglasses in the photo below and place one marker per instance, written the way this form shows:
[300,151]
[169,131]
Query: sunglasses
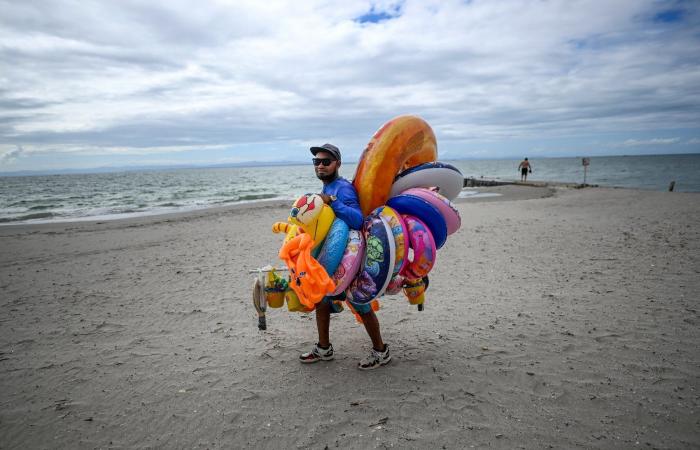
[324,161]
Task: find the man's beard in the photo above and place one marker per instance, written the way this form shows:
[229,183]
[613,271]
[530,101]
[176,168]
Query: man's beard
[329,177]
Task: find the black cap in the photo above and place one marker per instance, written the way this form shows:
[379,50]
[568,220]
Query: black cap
[330,148]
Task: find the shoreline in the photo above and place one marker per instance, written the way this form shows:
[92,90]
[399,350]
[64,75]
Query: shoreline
[482,185]
[505,193]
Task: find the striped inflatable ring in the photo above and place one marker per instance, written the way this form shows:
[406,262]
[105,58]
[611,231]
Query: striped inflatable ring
[398,229]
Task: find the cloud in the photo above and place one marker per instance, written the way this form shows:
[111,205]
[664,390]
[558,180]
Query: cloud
[10,155]
[135,77]
[655,141]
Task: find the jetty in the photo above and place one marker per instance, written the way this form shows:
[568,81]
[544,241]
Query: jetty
[484,182]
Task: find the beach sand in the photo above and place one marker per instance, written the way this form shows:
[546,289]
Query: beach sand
[556,318]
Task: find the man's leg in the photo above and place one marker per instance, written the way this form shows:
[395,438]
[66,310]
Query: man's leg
[379,355]
[372,326]
[323,321]
[323,351]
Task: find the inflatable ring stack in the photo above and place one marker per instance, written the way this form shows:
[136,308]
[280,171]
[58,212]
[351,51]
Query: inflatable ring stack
[406,197]
[399,178]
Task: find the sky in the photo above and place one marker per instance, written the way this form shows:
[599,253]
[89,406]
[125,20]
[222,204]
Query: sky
[86,84]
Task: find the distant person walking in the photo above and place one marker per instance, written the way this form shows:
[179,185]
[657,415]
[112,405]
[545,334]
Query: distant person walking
[524,168]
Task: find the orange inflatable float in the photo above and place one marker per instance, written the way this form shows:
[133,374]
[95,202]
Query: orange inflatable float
[308,278]
[401,143]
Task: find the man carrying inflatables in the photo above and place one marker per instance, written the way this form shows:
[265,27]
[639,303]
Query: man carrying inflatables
[340,194]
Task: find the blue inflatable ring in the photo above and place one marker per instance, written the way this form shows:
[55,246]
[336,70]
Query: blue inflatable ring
[427,213]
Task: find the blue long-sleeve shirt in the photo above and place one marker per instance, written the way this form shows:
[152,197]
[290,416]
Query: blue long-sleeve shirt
[346,205]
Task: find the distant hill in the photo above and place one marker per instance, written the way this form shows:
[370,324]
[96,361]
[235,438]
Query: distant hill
[149,168]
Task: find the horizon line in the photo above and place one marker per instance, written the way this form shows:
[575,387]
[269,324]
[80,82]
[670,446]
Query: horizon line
[187,166]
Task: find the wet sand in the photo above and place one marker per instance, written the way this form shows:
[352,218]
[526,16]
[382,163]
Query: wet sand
[555,317]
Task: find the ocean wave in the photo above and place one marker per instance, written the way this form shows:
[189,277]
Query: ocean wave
[42,207]
[248,198]
[256,197]
[46,215]
[21,203]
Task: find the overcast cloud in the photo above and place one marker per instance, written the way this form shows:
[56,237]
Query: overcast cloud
[87,84]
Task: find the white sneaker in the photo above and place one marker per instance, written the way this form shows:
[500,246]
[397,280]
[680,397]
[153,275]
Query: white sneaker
[375,359]
[317,354]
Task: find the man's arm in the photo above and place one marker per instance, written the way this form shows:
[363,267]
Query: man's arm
[347,207]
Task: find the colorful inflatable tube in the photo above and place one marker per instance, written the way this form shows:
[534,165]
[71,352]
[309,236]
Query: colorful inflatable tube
[442,204]
[401,143]
[378,263]
[423,249]
[334,245]
[423,210]
[395,285]
[351,261]
[446,177]
[398,229]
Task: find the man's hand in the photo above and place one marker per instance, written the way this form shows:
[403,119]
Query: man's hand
[326,198]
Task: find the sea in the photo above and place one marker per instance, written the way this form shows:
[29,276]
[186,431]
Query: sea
[114,195]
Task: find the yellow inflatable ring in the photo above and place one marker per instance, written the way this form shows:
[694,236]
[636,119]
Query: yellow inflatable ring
[401,143]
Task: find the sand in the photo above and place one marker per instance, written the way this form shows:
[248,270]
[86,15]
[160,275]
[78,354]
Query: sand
[556,318]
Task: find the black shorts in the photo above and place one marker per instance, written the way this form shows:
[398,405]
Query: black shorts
[523,171]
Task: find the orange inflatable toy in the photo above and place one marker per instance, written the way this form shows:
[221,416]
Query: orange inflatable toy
[308,277]
[374,304]
[401,143]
